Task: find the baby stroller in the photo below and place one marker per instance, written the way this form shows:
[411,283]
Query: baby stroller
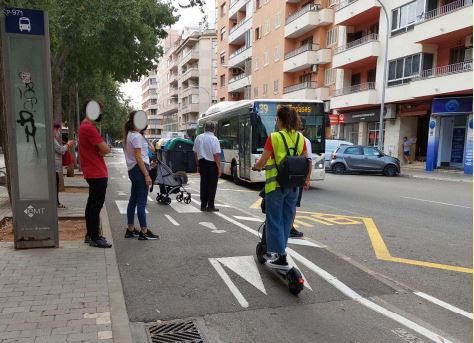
[170,183]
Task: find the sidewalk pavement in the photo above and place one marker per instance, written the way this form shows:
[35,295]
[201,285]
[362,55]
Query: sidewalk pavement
[70,294]
[417,170]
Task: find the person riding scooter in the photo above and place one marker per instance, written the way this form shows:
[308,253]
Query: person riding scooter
[281,201]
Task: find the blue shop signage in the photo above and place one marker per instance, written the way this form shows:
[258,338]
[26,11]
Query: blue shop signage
[451,106]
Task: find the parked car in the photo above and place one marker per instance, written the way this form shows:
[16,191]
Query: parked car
[331,146]
[357,158]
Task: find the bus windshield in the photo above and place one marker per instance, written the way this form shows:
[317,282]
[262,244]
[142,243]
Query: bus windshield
[312,115]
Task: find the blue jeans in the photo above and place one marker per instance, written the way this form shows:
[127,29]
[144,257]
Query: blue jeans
[280,211]
[138,197]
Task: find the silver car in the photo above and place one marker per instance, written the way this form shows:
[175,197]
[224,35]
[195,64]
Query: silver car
[357,158]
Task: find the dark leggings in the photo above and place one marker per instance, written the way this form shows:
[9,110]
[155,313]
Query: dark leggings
[97,189]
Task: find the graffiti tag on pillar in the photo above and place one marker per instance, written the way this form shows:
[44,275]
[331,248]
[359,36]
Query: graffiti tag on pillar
[27,119]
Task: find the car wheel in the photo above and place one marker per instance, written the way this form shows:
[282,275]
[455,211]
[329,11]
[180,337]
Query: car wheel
[235,177]
[390,170]
[339,168]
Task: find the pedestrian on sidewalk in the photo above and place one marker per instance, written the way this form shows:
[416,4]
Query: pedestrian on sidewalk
[207,152]
[293,232]
[92,150]
[407,149]
[280,203]
[59,150]
[138,164]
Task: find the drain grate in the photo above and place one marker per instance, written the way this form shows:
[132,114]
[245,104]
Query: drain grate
[175,332]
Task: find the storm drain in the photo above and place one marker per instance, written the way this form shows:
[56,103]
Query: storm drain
[175,332]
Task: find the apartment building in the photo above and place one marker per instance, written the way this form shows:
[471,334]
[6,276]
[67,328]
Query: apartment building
[428,94]
[184,84]
[149,86]
[196,79]
[274,49]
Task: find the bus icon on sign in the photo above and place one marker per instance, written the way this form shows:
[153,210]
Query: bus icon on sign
[24,24]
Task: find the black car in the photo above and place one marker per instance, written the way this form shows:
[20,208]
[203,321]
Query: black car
[357,158]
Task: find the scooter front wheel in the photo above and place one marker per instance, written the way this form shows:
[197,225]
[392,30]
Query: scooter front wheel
[260,250]
[295,281]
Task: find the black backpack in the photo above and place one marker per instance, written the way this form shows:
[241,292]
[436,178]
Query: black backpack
[293,169]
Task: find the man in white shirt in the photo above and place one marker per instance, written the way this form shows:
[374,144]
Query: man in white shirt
[207,152]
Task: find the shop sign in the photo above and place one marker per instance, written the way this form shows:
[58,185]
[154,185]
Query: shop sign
[358,116]
[452,106]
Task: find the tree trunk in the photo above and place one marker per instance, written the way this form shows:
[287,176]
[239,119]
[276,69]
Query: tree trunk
[58,67]
[71,126]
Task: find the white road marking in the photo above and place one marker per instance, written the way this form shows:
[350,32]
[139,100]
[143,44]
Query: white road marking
[212,227]
[124,177]
[344,289]
[171,219]
[444,304]
[435,202]
[236,190]
[246,268]
[150,198]
[235,291]
[120,193]
[250,219]
[349,292]
[407,336]
[183,208]
[303,242]
[122,206]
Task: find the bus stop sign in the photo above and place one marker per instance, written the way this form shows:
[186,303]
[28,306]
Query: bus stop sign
[27,75]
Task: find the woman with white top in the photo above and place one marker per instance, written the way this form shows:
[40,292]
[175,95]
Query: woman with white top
[138,164]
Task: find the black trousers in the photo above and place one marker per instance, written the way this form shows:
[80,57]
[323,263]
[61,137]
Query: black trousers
[209,178]
[97,189]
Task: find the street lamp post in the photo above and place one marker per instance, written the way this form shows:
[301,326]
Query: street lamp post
[382,100]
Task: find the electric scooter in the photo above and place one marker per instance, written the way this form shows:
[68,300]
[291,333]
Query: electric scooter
[291,277]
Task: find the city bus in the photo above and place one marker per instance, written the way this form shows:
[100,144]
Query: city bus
[243,127]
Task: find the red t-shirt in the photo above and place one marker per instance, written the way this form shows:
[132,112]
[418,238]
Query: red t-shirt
[92,163]
[269,147]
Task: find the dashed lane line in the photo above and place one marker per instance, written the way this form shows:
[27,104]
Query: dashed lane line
[346,290]
[171,219]
[437,202]
[444,304]
[251,219]
[122,206]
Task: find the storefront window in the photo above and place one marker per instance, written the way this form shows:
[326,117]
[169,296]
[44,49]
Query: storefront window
[373,133]
[351,133]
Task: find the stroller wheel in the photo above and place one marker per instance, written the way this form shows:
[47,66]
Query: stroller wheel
[179,197]
[167,201]
[187,200]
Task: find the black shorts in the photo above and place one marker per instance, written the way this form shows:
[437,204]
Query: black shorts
[298,203]
[406,153]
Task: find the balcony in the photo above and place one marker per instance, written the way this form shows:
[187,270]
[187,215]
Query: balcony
[362,51]
[307,19]
[440,24]
[189,108]
[190,90]
[190,73]
[356,12]
[307,91]
[235,6]
[191,56]
[304,57]
[237,33]
[238,83]
[170,109]
[173,91]
[239,56]
[355,96]
[447,79]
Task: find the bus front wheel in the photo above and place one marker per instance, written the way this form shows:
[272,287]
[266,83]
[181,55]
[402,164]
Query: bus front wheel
[235,177]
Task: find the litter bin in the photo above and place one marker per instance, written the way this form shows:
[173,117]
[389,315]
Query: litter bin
[180,155]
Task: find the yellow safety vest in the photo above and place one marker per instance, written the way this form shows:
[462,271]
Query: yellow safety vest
[279,153]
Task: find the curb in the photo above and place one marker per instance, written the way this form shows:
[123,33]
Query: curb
[120,323]
[436,178]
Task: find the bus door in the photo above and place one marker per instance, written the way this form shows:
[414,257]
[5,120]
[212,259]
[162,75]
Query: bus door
[245,147]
